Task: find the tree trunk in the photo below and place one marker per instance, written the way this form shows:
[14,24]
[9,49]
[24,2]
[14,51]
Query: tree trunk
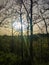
[31,33]
[21,35]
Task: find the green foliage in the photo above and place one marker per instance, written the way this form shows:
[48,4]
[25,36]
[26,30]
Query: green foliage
[9,59]
[10,51]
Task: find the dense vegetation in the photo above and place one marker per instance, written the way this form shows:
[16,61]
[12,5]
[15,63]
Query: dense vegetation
[11,50]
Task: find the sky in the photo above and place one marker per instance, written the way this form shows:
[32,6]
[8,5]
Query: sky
[9,13]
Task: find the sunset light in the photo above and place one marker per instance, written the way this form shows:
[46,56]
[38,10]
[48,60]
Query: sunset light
[17,26]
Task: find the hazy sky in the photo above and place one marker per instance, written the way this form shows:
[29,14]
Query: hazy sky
[9,13]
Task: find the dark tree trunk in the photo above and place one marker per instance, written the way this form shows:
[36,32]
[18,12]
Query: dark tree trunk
[12,41]
[31,33]
[28,25]
[21,35]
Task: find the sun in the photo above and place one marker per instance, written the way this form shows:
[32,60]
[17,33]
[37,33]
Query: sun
[17,26]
